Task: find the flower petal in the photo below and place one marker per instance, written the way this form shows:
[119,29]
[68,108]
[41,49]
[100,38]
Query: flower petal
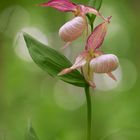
[96,39]
[72,29]
[79,62]
[88,9]
[61,5]
[111,75]
[92,84]
[88,74]
[104,63]
[65,71]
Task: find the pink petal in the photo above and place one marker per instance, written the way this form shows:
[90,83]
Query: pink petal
[104,63]
[66,45]
[98,53]
[88,9]
[72,29]
[95,40]
[111,75]
[61,5]
[65,71]
[79,62]
[92,84]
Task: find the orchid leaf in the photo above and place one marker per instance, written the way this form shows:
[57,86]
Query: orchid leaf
[31,134]
[52,61]
[97,5]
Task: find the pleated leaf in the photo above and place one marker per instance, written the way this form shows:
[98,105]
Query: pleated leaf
[97,5]
[52,61]
[31,134]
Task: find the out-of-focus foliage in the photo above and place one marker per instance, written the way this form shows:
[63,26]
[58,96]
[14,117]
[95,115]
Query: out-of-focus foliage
[31,134]
[58,110]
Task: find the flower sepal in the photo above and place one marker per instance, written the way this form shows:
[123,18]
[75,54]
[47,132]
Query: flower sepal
[61,5]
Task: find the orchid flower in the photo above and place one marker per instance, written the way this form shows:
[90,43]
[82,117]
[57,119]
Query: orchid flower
[74,28]
[92,60]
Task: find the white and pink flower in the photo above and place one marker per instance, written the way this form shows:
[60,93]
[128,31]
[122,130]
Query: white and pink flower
[74,28]
[92,60]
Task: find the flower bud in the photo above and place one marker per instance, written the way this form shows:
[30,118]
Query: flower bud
[72,29]
[104,63]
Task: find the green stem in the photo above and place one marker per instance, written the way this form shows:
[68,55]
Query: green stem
[89,112]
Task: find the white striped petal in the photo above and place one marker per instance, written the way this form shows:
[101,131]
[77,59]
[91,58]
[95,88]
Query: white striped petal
[72,29]
[104,63]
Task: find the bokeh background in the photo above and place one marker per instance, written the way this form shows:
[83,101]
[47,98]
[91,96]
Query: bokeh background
[58,110]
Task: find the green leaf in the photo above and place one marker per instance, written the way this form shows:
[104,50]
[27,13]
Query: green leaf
[97,5]
[31,134]
[52,61]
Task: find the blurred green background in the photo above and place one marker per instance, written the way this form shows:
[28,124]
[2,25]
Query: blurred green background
[58,110]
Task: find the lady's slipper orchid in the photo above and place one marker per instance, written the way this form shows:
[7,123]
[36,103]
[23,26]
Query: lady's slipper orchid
[74,28]
[92,60]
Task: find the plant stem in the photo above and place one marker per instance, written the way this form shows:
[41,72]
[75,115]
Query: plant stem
[89,112]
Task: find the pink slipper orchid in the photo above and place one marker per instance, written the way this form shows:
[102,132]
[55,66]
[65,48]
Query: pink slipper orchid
[92,60]
[74,28]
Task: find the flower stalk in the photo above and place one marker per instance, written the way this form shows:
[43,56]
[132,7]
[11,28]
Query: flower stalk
[89,111]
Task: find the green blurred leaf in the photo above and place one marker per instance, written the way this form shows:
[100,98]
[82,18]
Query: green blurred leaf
[52,61]
[31,134]
[97,5]
[123,134]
